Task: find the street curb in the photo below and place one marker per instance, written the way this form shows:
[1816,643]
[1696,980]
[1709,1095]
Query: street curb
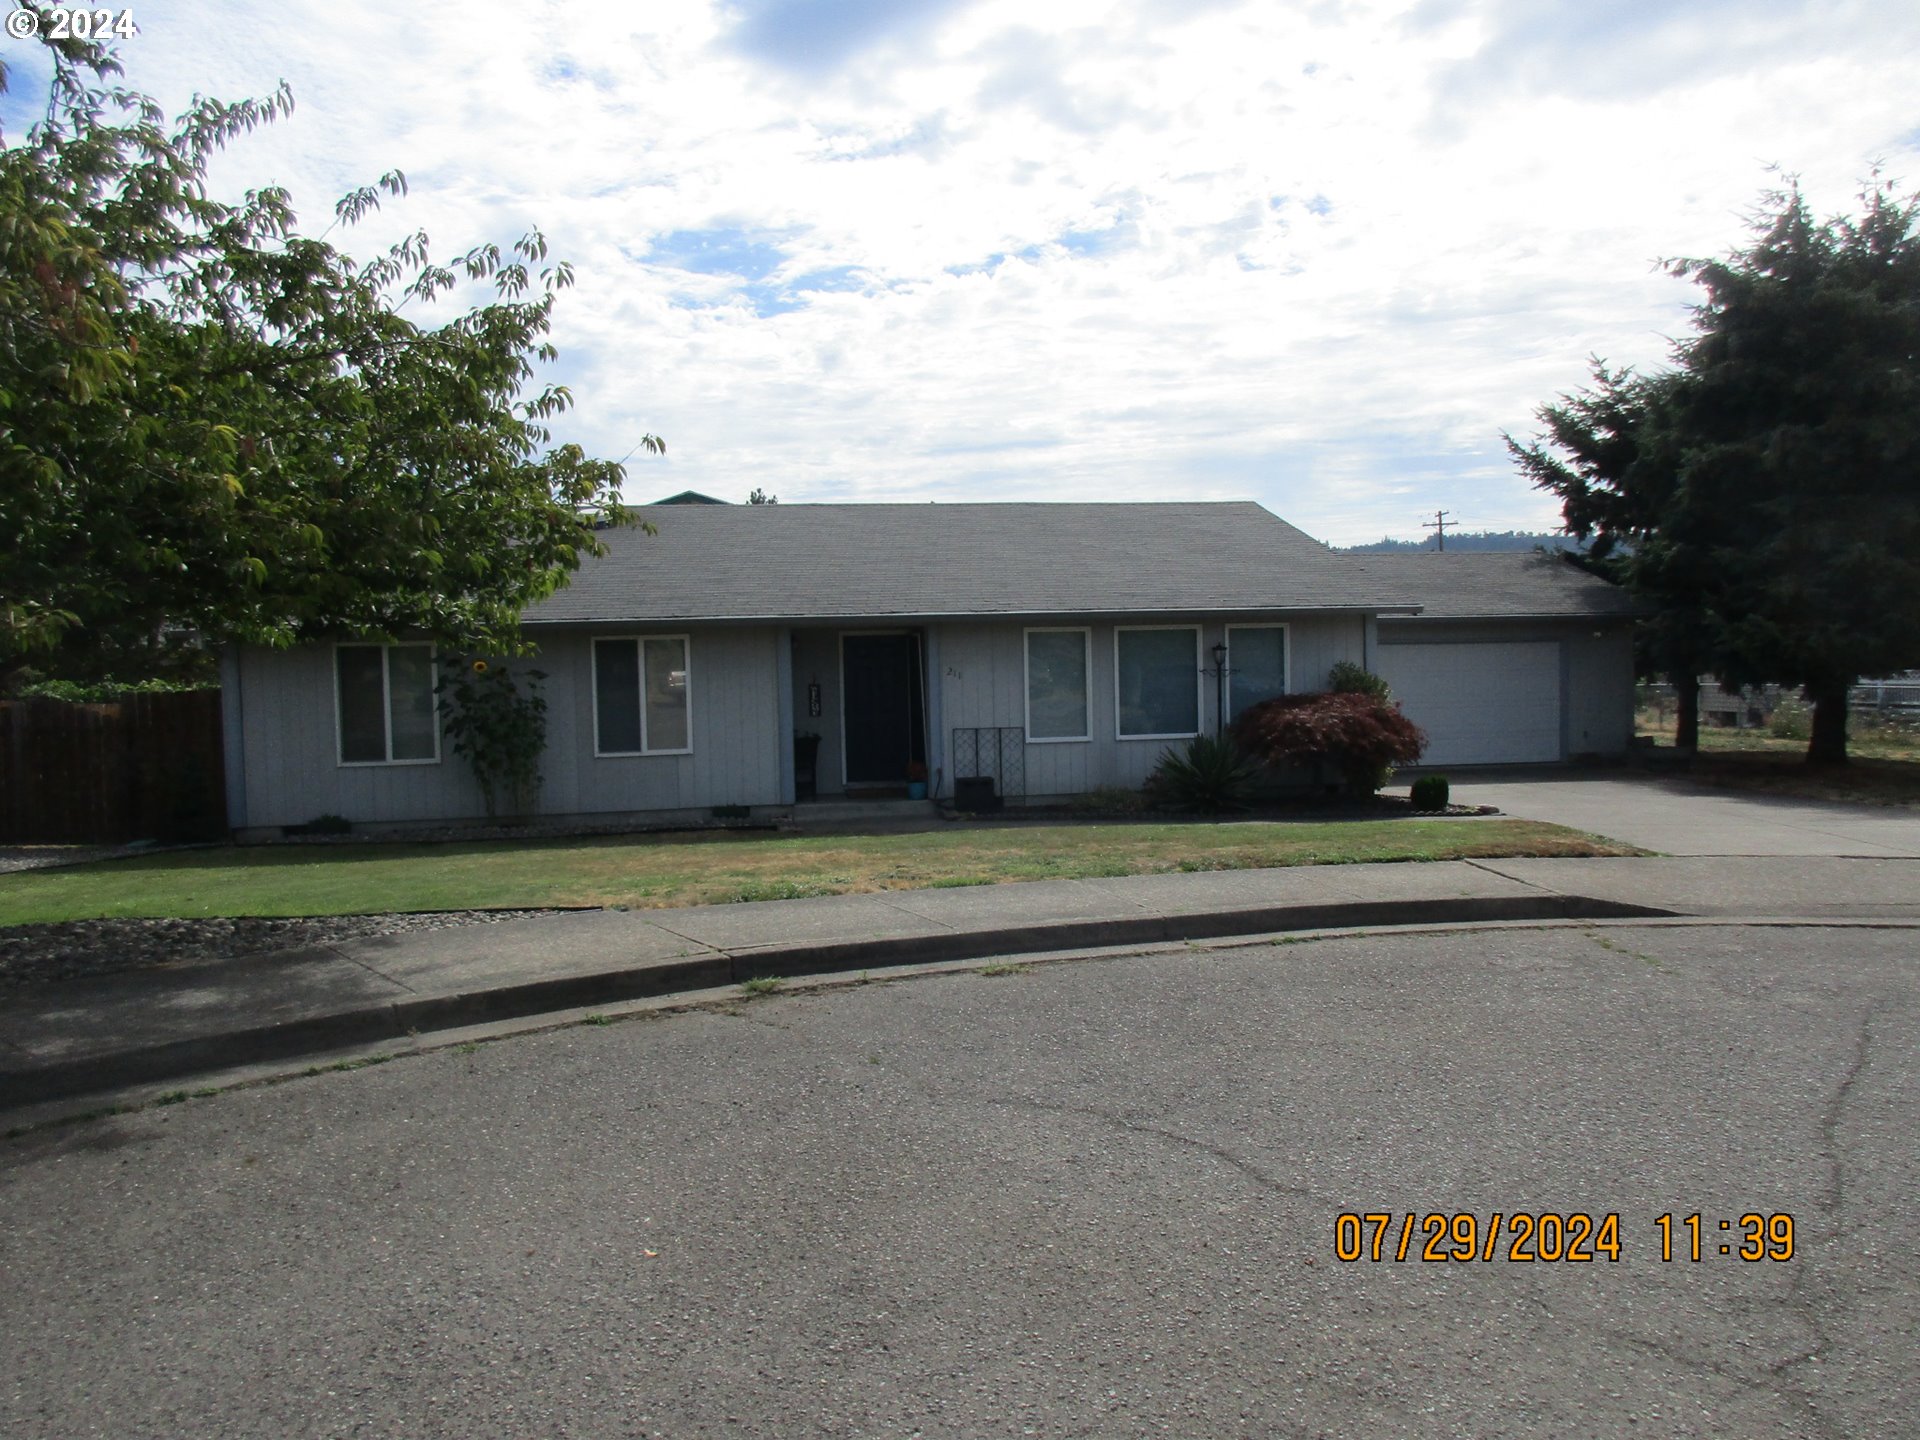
[292,1039]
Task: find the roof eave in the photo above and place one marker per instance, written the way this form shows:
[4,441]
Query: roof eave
[775,618]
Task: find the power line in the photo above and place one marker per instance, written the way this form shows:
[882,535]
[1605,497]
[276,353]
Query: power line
[1439,527]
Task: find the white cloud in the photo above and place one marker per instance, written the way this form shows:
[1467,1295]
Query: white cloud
[1317,257]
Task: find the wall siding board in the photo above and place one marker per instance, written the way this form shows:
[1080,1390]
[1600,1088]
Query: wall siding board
[816,657]
[983,683]
[292,772]
[1599,706]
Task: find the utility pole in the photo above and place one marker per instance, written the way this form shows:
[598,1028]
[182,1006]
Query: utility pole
[1439,527]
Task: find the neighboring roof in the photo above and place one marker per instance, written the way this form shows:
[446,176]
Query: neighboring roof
[1495,585]
[794,562]
[690,497]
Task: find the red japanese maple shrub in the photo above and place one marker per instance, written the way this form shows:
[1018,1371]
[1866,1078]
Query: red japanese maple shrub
[1362,737]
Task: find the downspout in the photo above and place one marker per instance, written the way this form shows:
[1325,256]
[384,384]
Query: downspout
[783,722]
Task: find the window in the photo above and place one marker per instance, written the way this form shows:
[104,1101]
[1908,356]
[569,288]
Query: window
[640,696]
[1057,684]
[384,704]
[1156,681]
[1257,660]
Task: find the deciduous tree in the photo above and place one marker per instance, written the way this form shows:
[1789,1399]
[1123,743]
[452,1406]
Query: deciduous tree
[213,424]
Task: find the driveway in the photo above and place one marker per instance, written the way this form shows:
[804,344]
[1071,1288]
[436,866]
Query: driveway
[1677,818]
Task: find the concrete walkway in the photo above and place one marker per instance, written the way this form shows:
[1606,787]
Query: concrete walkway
[82,1038]
[1676,817]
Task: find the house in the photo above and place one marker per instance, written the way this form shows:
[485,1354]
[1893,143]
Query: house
[1056,648]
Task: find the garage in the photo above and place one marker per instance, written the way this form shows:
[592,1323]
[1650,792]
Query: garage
[1480,704]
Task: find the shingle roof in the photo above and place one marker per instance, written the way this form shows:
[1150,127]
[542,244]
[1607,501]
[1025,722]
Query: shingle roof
[718,562]
[1494,585]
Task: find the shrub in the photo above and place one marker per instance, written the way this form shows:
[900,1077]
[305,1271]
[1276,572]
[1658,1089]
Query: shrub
[1791,720]
[1430,794]
[1347,678]
[1360,736]
[1211,775]
[498,729]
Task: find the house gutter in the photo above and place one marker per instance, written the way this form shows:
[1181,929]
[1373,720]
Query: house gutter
[925,617]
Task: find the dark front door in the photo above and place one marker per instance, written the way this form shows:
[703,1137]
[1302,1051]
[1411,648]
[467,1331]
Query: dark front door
[880,686]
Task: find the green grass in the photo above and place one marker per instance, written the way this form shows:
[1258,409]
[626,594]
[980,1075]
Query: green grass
[646,873]
[1883,768]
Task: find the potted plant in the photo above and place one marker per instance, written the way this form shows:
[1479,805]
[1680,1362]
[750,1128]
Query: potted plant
[916,781]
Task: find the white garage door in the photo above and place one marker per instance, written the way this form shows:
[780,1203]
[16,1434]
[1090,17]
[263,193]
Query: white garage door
[1479,704]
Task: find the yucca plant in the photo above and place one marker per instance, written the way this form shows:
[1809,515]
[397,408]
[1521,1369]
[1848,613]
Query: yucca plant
[1210,775]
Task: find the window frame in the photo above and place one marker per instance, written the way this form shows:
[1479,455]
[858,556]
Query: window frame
[1085,633]
[385,647]
[1199,685]
[1285,628]
[639,641]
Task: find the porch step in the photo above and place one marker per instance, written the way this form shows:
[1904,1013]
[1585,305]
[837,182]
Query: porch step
[836,812]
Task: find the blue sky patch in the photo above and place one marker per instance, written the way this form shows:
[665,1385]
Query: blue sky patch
[724,251]
[819,36]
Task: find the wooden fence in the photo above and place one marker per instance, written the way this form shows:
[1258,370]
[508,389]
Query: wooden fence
[145,767]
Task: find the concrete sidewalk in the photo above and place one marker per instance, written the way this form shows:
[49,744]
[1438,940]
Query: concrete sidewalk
[66,1040]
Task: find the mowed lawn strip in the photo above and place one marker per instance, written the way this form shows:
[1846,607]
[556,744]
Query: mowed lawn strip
[647,873]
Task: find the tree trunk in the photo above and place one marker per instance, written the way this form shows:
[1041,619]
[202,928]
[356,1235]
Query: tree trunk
[1829,743]
[1686,716]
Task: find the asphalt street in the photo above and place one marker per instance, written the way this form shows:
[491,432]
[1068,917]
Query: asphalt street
[1097,1198]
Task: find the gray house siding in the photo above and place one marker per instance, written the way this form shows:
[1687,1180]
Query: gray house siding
[1599,690]
[816,660]
[983,683]
[736,739]
[288,760]
[292,764]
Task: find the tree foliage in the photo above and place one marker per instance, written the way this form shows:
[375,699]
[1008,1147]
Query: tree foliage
[1360,737]
[1347,678]
[212,424]
[1763,494]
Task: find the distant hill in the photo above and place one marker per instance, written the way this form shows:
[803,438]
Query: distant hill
[1471,540]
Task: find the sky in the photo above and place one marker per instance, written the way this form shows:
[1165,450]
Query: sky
[1317,255]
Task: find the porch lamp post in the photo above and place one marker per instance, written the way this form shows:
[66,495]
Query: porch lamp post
[1219,673]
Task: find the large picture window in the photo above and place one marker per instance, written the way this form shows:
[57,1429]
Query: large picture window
[384,704]
[1156,680]
[1257,665]
[641,696]
[1057,684]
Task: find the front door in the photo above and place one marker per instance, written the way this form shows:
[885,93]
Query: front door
[880,688]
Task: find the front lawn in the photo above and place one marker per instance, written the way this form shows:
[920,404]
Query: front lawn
[644,873]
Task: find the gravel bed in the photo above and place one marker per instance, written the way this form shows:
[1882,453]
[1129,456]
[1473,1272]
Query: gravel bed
[80,949]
